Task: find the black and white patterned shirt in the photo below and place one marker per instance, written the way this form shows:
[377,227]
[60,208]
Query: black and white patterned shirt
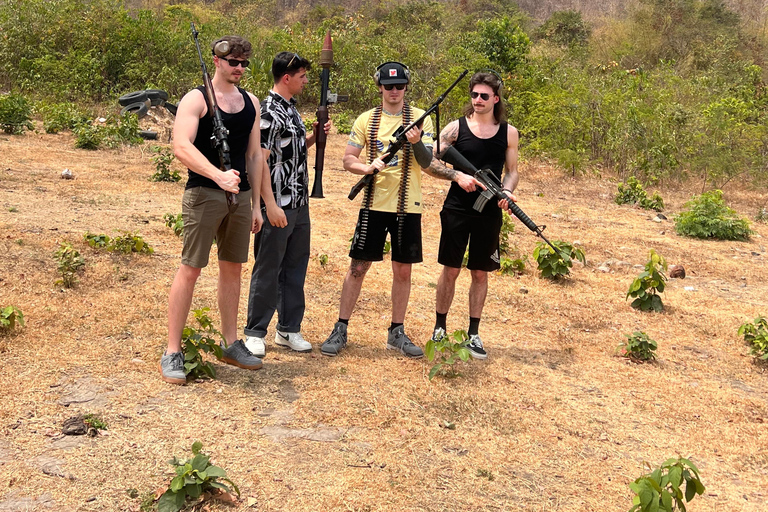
[284,136]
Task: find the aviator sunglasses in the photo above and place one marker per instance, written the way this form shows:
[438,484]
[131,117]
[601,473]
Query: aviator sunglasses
[484,95]
[234,62]
[389,87]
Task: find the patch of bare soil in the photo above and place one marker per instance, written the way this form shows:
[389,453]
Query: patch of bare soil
[552,421]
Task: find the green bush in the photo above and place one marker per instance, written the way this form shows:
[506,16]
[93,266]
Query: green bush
[638,347]
[449,350]
[127,243]
[343,121]
[10,316]
[62,116]
[633,193]
[661,490]
[647,286]
[709,217]
[69,263]
[756,335]
[175,222]
[195,342]
[162,159]
[507,228]
[120,130]
[15,114]
[88,136]
[512,267]
[553,265]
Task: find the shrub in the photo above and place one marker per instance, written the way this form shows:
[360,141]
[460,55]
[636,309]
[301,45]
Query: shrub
[196,341]
[554,265]
[162,159]
[69,262]
[175,222]
[633,193]
[129,242]
[88,136]
[343,122]
[511,267]
[15,114]
[661,490]
[507,228]
[62,116]
[449,349]
[194,476]
[120,130]
[9,317]
[96,241]
[646,286]
[756,335]
[709,217]
[638,347]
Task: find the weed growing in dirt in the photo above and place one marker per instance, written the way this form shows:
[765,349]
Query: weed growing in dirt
[554,265]
[196,341]
[638,347]
[343,122]
[512,267]
[94,421]
[762,215]
[15,114]
[9,317]
[633,193]
[661,489]
[13,209]
[194,477]
[62,116]
[120,130]
[448,350]
[485,473]
[646,287]
[88,136]
[69,262]
[507,228]
[709,217]
[175,222]
[323,259]
[756,335]
[162,159]
[126,243]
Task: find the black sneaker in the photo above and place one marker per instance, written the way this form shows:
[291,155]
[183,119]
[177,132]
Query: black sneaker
[475,347]
[336,341]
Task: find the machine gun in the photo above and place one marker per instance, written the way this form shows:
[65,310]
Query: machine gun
[220,132]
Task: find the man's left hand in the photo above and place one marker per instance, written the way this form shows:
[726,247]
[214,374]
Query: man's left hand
[256,220]
[413,135]
[326,127]
[504,205]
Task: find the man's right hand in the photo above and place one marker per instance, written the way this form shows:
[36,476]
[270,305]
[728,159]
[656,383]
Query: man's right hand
[377,164]
[276,216]
[467,183]
[229,181]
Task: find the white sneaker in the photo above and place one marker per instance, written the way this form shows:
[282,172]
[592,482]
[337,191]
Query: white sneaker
[293,340]
[256,346]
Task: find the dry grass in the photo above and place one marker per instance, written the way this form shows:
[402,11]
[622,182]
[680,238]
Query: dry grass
[557,421]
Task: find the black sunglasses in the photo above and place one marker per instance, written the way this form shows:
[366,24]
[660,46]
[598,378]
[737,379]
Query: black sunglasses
[483,95]
[399,87]
[234,62]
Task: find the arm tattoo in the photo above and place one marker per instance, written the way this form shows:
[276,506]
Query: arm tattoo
[447,138]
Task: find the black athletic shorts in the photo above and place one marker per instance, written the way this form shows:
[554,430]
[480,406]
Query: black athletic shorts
[482,233]
[371,233]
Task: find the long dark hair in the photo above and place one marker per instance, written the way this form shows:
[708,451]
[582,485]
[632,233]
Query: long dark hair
[494,82]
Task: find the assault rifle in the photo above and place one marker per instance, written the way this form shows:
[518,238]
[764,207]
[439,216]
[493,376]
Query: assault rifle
[401,139]
[220,132]
[493,190]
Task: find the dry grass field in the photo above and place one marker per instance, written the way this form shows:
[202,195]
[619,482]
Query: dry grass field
[552,421]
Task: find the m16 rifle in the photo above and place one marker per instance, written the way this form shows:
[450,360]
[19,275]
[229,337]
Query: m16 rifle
[326,98]
[401,139]
[493,190]
[220,132]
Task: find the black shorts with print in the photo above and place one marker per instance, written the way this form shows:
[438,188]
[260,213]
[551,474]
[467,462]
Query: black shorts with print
[371,234]
[482,233]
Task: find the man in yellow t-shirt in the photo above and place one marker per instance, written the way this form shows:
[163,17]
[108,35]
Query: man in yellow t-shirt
[391,204]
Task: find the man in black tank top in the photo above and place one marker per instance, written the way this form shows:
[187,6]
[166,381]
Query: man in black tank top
[485,139]
[204,206]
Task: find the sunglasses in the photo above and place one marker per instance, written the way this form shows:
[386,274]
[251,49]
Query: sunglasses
[399,87]
[234,62]
[295,56]
[484,95]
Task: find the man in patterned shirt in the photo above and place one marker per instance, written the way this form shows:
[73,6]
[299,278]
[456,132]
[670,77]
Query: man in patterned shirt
[392,203]
[281,248]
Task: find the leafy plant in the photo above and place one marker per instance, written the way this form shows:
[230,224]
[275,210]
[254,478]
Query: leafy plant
[9,317]
[709,217]
[175,222]
[15,114]
[756,334]
[96,241]
[633,193]
[195,342]
[511,267]
[646,286]
[638,347]
[88,136]
[69,262]
[448,350]
[554,265]
[194,477]
[120,130]
[323,259]
[343,122]
[507,228]
[661,490]
[94,421]
[129,242]
[162,159]
[61,116]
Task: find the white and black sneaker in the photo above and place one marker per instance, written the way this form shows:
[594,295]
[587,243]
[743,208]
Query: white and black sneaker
[293,340]
[475,347]
[438,334]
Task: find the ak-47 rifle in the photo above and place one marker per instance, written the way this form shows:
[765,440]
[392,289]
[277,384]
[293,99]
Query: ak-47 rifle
[326,98]
[493,189]
[401,139]
[220,132]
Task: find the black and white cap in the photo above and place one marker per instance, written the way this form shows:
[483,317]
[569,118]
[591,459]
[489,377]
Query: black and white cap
[392,73]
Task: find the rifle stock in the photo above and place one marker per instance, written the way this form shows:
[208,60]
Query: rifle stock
[493,188]
[220,132]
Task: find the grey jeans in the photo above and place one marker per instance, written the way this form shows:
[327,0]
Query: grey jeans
[277,279]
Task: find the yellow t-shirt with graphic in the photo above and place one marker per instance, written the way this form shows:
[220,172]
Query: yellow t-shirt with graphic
[387,185]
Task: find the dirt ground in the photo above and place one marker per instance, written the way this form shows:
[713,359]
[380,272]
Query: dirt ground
[552,421]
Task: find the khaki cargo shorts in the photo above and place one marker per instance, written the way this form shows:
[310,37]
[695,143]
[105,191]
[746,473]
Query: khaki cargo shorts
[206,216]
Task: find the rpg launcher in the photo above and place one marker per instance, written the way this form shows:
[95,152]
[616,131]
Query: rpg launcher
[220,132]
[493,189]
[401,139]
[326,98]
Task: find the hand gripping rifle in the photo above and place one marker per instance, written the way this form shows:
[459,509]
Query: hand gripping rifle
[220,132]
[326,98]
[401,139]
[493,189]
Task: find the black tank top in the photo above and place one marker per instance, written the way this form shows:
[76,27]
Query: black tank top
[484,154]
[239,125]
